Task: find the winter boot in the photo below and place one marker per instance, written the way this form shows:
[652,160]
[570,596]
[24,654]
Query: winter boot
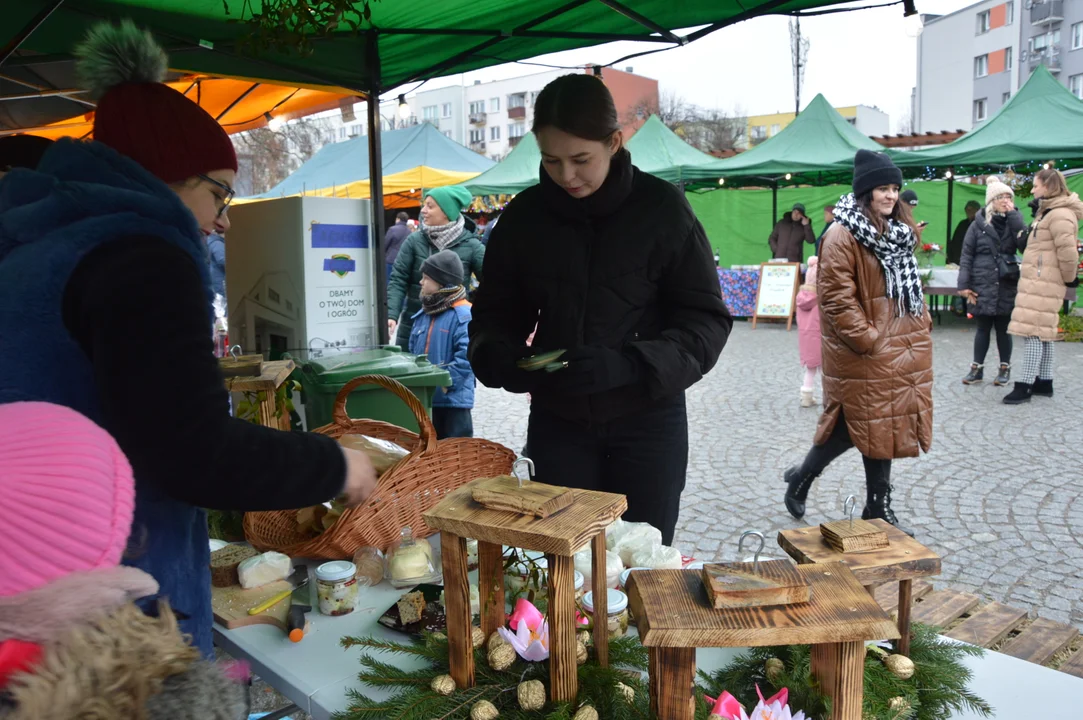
[1022,393]
[878,502]
[806,398]
[976,374]
[1004,376]
[1043,388]
[798,483]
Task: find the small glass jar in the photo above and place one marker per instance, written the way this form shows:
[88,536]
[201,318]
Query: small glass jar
[531,574]
[623,587]
[336,587]
[411,561]
[616,615]
[580,581]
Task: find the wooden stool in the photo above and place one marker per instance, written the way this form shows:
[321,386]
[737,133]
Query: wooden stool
[559,536]
[273,375]
[674,618]
[901,561]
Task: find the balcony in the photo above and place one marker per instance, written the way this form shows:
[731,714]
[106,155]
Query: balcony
[478,146]
[514,140]
[1044,57]
[477,118]
[1046,13]
[517,113]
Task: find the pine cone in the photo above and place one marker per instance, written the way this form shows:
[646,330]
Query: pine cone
[580,653]
[902,666]
[531,695]
[477,637]
[501,657]
[628,693]
[483,710]
[443,684]
[587,712]
[773,668]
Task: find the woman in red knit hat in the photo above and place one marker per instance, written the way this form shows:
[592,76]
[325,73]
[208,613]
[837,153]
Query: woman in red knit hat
[105,307]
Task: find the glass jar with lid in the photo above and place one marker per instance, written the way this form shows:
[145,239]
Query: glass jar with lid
[616,616]
[336,587]
[411,561]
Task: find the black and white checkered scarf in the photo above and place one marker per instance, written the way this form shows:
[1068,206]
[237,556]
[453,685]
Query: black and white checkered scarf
[895,251]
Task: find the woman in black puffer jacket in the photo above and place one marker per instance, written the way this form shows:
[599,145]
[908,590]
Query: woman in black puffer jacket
[990,246]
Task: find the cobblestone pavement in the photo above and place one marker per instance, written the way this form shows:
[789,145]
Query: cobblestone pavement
[1000,495]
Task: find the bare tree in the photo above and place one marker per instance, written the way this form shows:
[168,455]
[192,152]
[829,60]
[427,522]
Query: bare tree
[271,155]
[671,109]
[716,130]
[906,124]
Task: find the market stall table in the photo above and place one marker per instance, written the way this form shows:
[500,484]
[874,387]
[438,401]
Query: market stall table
[739,290]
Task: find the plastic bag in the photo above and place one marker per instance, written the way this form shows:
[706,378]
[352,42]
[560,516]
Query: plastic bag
[383,453]
[263,569]
[584,564]
[659,557]
[624,538]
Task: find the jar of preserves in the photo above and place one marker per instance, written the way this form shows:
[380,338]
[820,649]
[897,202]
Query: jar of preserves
[336,587]
[580,581]
[616,614]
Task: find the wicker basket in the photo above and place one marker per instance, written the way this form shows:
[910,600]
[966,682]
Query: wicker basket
[411,487]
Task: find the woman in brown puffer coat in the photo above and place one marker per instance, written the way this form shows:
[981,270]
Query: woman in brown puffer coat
[877,348]
[1050,263]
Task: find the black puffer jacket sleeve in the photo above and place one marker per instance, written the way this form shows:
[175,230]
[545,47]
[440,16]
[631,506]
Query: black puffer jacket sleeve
[966,257]
[696,321]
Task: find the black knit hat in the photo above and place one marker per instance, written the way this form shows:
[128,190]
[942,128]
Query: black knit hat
[909,197]
[445,268]
[872,170]
[22,151]
[799,207]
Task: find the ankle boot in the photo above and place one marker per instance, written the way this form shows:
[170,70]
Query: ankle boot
[1021,394]
[798,482]
[806,398]
[976,374]
[1042,387]
[1004,376]
[878,503]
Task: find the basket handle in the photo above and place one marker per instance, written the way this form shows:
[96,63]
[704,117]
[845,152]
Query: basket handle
[426,433]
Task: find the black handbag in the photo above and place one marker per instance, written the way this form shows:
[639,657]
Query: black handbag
[1008,266]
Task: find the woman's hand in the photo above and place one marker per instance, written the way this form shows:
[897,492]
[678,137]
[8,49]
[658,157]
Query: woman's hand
[391,325]
[970,296]
[360,477]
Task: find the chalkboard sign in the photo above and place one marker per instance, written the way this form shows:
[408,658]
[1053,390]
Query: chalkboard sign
[776,294]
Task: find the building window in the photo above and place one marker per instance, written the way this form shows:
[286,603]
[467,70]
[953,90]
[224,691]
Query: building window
[1075,84]
[447,134]
[852,121]
[477,107]
[342,133]
[774,129]
[1005,97]
[981,110]
[428,113]
[1077,36]
[355,130]
[1041,42]
[757,134]
[1008,57]
[533,98]
[983,22]
[494,132]
[516,131]
[494,103]
[517,101]
[1009,13]
[477,136]
[981,66]
[446,111]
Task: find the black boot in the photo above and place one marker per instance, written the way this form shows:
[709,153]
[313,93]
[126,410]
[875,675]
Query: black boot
[976,374]
[798,483]
[1004,376]
[1021,394]
[1043,388]
[878,502]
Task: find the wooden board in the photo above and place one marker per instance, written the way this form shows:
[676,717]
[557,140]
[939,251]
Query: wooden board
[231,604]
[776,292]
[1074,664]
[942,607]
[839,668]
[532,498]
[857,536]
[1040,641]
[988,626]
[241,366]
[734,585]
[671,610]
[562,534]
[903,559]
[274,374]
[671,672]
[888,594]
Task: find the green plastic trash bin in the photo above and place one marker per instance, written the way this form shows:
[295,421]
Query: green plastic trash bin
[321,381]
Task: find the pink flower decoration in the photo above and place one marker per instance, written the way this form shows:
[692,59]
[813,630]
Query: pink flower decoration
[726,706]
[525,610]
[531,636]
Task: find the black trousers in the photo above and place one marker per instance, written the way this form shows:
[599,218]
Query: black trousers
[1004,340]
[452,422]
[877,472]
[642,456]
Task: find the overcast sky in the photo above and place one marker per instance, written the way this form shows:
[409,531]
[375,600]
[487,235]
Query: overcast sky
[865,57]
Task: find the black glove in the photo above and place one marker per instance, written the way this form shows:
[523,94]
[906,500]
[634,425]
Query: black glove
[493,363]
[593,369]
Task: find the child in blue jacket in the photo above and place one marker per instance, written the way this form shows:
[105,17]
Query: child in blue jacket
[440,332]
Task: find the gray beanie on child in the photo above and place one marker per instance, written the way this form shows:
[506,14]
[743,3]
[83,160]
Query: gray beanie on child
[445,268]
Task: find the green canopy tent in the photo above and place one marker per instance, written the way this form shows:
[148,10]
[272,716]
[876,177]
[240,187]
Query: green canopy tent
[657,150]
[366,46]
[513,174]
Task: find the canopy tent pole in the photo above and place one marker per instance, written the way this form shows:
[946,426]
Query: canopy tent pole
[12,45]
[376,186]
[774,203]
[951,198]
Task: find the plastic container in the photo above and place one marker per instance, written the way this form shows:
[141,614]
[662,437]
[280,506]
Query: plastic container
[624,577]
[321,381]
[336,587]
[617,615]
[580,582]
[412,561]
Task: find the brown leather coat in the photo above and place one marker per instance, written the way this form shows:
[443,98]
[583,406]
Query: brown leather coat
[1049,263]
[877,367]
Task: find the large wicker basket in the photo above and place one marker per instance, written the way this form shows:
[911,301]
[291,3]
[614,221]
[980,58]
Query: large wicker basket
[411,487]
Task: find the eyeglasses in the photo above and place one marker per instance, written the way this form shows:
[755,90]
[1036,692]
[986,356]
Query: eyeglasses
[221,202]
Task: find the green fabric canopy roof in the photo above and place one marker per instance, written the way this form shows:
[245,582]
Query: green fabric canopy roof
[414,42]
[817,148]
[513,174]
[657,150]
[1041,122]
[340,164]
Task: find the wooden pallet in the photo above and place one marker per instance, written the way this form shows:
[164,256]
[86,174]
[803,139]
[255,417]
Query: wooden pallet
[1040,641]
[888,594]
[1074,664]
[990,625]
[941,607]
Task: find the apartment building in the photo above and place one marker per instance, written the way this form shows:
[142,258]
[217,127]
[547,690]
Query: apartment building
[972,61]
[869,121]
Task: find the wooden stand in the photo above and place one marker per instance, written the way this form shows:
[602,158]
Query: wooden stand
[903,560]
[674,617]
[274,374]
[559,536]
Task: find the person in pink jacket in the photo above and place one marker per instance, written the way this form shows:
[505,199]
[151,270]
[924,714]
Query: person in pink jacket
[808,333]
